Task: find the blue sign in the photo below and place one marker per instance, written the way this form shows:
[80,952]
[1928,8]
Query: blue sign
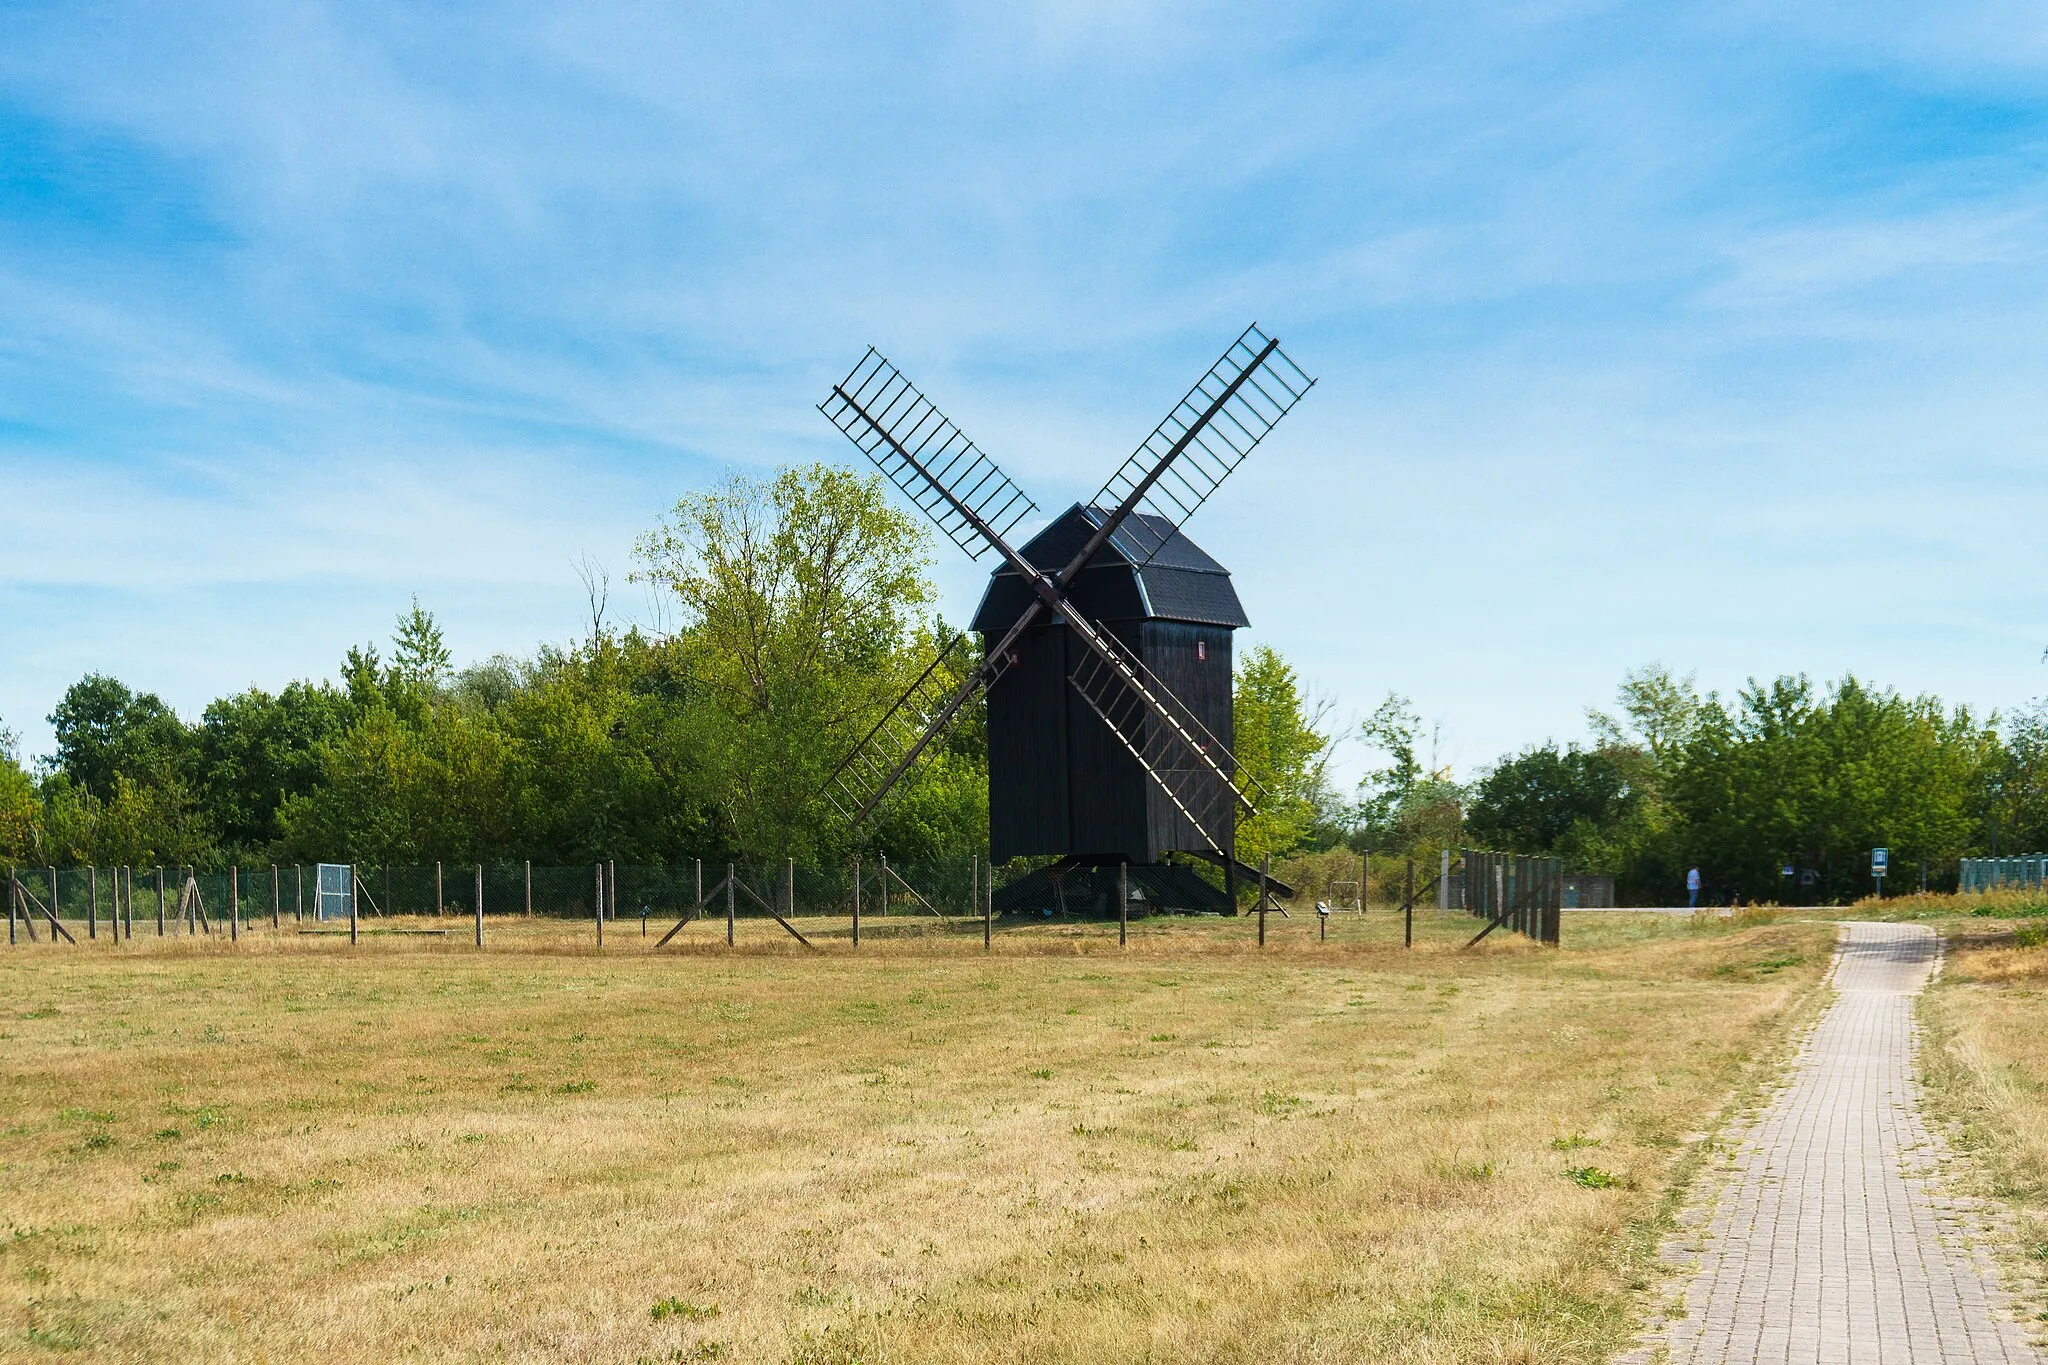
[1879,857]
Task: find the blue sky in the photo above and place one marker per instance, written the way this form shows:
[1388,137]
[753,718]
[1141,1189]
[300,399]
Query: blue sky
[1708,334]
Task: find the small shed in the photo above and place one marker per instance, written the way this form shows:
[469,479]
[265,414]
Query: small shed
[1060,782]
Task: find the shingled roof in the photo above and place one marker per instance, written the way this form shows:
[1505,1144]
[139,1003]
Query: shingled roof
[1181,583]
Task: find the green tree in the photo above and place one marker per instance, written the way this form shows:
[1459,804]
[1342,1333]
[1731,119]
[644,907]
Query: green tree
[105,731]
[1283,753]
[419,655]
[256,749]
[1546,799]
[799,598]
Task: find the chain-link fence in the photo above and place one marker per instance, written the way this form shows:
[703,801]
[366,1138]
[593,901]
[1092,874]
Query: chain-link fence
[107,900]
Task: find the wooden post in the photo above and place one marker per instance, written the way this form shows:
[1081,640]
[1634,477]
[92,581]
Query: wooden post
[92,902]
[529,888]
[159,901]
[354,895]
[600,905]
[1408,908]
[276,899]
[234,902]
[1123,905]
[439,900]
[728,905]
[856,900]
[1265,865]
[479,905]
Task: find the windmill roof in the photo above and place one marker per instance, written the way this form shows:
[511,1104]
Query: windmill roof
[1180,583]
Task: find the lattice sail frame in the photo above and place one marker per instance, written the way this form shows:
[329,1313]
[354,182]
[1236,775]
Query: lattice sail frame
[1269,384]
[900,430]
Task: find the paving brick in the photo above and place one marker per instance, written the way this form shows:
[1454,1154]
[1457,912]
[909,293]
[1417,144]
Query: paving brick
[1827,1242]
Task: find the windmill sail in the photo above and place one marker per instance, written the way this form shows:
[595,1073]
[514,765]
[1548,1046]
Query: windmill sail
[925,455]
[1206,436]
[928,708]
[1197,773]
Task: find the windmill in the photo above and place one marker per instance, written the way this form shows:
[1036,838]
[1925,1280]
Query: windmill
[1108,738]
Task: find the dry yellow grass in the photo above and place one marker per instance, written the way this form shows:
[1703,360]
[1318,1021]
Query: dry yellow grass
[1187,1151]
[1987,1063]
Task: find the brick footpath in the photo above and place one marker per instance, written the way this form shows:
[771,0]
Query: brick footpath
[1827,1246]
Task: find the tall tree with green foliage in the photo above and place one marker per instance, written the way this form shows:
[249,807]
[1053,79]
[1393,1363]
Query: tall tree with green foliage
[801,598]
[1282,751]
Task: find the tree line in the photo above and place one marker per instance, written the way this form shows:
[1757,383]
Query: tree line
[803,605]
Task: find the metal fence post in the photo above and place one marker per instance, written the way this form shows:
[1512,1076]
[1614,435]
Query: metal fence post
[529,888]
[599,905]
[159,901]
[276,899]
[856,900]
[789,889]
[440,901]
[234,903]
[479,905]
[728,904]
[92,902]
[988,909]
[354,895]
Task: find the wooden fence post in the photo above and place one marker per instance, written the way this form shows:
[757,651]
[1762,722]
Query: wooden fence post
[479,905]
[1123,905]
[1408,907]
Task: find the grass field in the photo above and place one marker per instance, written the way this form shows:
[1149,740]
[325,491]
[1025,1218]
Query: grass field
[1987,1063]
[1189,1150]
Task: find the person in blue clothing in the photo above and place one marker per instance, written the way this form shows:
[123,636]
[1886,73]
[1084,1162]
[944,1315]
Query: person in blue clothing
[1692,889]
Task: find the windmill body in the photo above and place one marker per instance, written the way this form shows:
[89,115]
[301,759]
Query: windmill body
[1060,781]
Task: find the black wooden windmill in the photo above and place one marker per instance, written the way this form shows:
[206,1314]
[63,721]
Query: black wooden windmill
[1106,638]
